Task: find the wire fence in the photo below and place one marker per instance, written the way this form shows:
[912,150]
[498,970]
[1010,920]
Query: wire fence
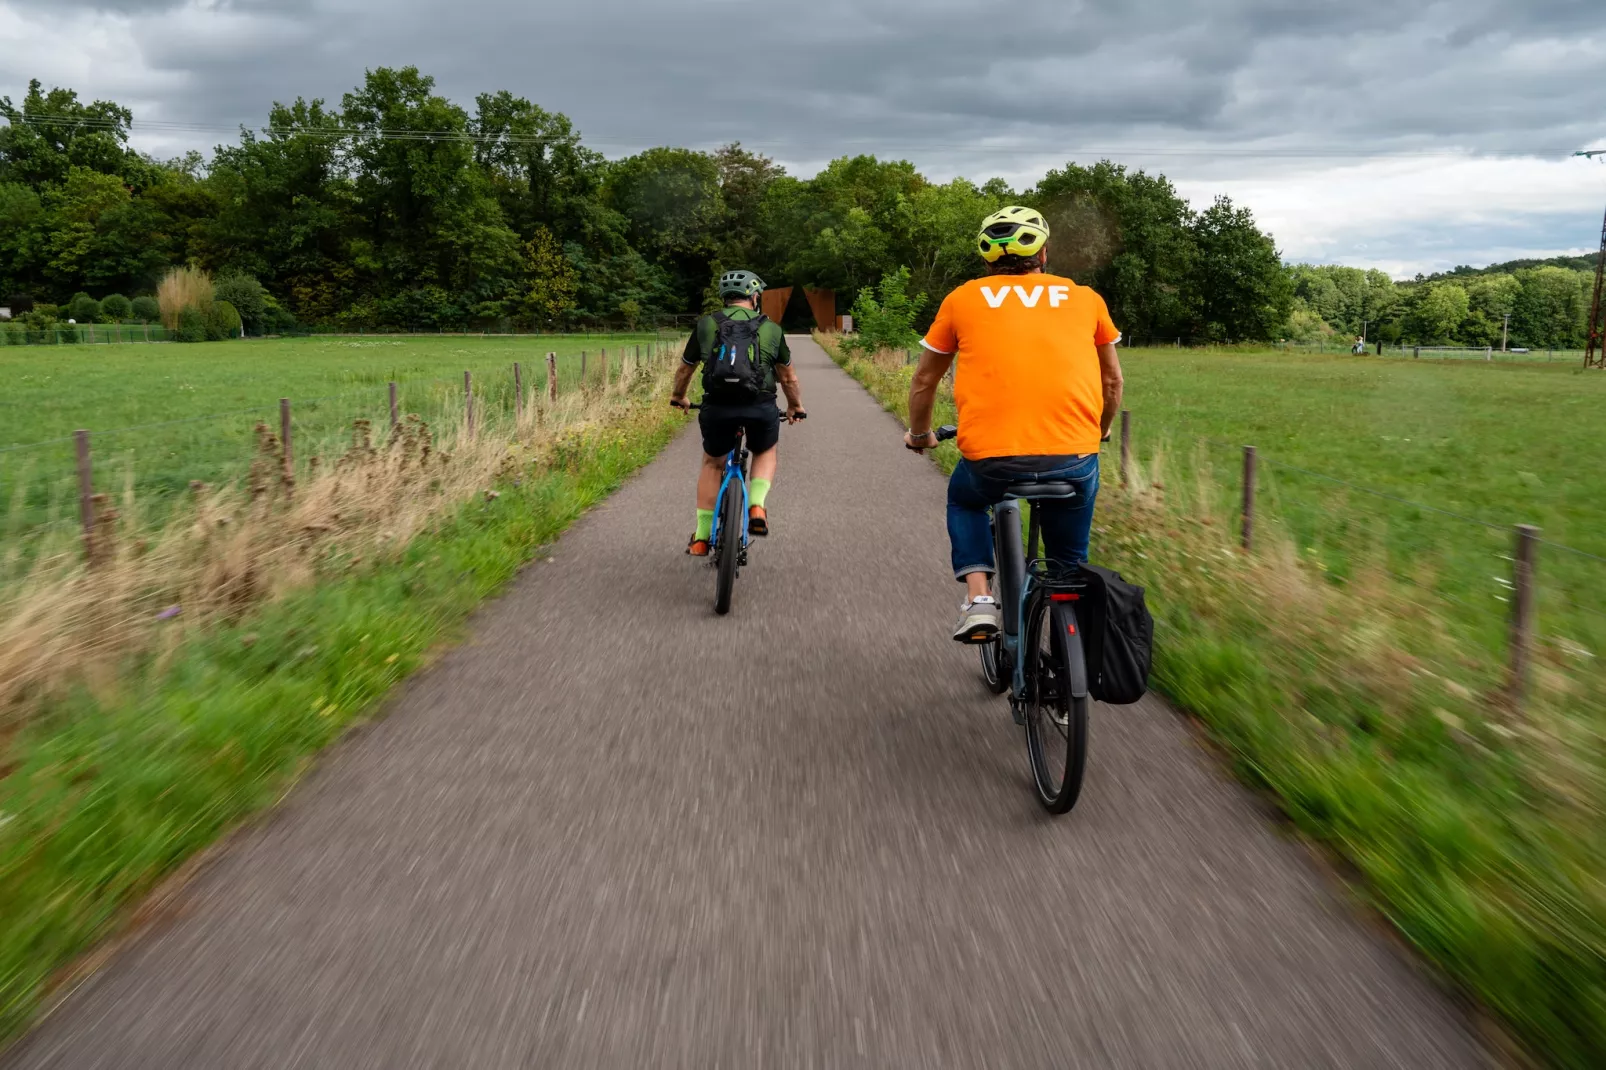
[1507,587]
[19,334]
[46,485]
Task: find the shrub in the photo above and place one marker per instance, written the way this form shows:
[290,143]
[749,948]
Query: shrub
[245,294]
[630,312]
[115,308]
[191,325]
[222,321]
[885,317]
[83,308]
[183,288]
[146,310]
[276,319]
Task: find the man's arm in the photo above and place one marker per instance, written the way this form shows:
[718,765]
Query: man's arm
[683,374]
[1110,375]
[786,379]
[923,398]
[690,360]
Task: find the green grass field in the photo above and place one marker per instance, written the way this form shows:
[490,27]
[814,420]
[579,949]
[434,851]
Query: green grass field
[1501,443]
[189,410]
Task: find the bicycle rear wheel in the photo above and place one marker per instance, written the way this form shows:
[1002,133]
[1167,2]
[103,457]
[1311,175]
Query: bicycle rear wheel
[1057,702]
[729,549]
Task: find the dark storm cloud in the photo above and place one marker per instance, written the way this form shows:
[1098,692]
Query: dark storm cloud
[925,72]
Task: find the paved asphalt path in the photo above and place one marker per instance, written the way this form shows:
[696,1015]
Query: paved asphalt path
[615,830]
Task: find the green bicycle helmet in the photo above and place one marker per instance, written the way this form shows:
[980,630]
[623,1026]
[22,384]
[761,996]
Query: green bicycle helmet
[740,284]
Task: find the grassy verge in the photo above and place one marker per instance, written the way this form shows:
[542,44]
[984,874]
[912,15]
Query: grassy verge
[1474,828]
[150,748]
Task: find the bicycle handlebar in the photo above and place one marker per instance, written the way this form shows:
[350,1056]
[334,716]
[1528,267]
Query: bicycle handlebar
[799,415]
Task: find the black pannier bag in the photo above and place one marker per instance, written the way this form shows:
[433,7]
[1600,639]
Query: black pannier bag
[1118,638]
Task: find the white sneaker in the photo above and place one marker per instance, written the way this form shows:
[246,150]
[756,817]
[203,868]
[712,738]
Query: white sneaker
[979,621]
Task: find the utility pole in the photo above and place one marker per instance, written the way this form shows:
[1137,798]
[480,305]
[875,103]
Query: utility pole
[1505,327]
[1595,348]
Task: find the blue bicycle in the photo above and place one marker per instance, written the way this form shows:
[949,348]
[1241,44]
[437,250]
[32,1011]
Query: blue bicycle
[1038,656]
[728,543]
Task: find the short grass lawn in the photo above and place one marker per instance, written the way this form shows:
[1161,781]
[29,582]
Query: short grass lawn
[189,410]
[1501,443]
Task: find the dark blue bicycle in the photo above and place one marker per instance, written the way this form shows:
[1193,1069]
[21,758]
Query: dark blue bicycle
[1038,656]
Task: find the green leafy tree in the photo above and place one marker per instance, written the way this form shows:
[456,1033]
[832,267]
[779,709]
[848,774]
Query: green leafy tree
[884,317]
[245,294]
[1436,314]
[1551,308]
[551,283]
[1241,292]
[428,214]
[145,309]
[49,134]
[1129,235]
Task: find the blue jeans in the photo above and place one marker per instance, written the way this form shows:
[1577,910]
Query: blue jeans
[1065,524]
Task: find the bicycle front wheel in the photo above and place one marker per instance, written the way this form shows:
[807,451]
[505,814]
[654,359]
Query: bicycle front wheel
[1057,703]
[995,668]
[729,550]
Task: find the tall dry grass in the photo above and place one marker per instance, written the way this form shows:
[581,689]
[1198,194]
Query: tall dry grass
[181,288]
[75,618]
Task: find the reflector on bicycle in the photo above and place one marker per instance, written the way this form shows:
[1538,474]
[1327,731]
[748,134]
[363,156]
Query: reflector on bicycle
[1065,596]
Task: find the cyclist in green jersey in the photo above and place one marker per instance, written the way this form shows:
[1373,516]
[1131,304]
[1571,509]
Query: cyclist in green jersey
[755,414]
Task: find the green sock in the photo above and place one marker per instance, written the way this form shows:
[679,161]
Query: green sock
[757,491]
[705,523]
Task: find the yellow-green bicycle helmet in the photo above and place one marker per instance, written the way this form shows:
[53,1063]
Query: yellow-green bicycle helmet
[1014,231]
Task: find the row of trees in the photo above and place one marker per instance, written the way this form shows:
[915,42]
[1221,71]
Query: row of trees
[1547,305]
[402,208]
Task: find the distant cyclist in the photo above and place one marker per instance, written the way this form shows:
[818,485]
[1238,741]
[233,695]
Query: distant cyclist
[743,356]
[1037,385]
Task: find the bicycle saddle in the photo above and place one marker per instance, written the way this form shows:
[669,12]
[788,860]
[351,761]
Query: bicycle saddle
[1052,489]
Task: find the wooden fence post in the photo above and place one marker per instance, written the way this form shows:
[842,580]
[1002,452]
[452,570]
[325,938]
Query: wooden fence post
[1522,609]
[468,402]
[552,377]
[86,492]
[395,417]
[604,371]
[289,475]
[1126,445]
[1249,498]
[518,393]
[582,369]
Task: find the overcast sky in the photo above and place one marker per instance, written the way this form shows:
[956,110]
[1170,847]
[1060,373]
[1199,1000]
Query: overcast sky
[1383,133]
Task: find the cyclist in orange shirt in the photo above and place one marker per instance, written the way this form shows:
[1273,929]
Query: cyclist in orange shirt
[1037,384]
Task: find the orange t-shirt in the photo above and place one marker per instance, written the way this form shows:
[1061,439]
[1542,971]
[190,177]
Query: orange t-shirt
[1026,378]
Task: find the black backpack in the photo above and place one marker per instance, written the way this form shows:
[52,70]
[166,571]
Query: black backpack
[1119,640]
[734,372]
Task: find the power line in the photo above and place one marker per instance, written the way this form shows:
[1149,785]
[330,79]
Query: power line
[338,133]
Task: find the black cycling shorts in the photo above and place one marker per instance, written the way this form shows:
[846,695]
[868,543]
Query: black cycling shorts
[761,420]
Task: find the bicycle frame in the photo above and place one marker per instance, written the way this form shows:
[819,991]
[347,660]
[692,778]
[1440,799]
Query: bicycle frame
[1014,589]
[735,471]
